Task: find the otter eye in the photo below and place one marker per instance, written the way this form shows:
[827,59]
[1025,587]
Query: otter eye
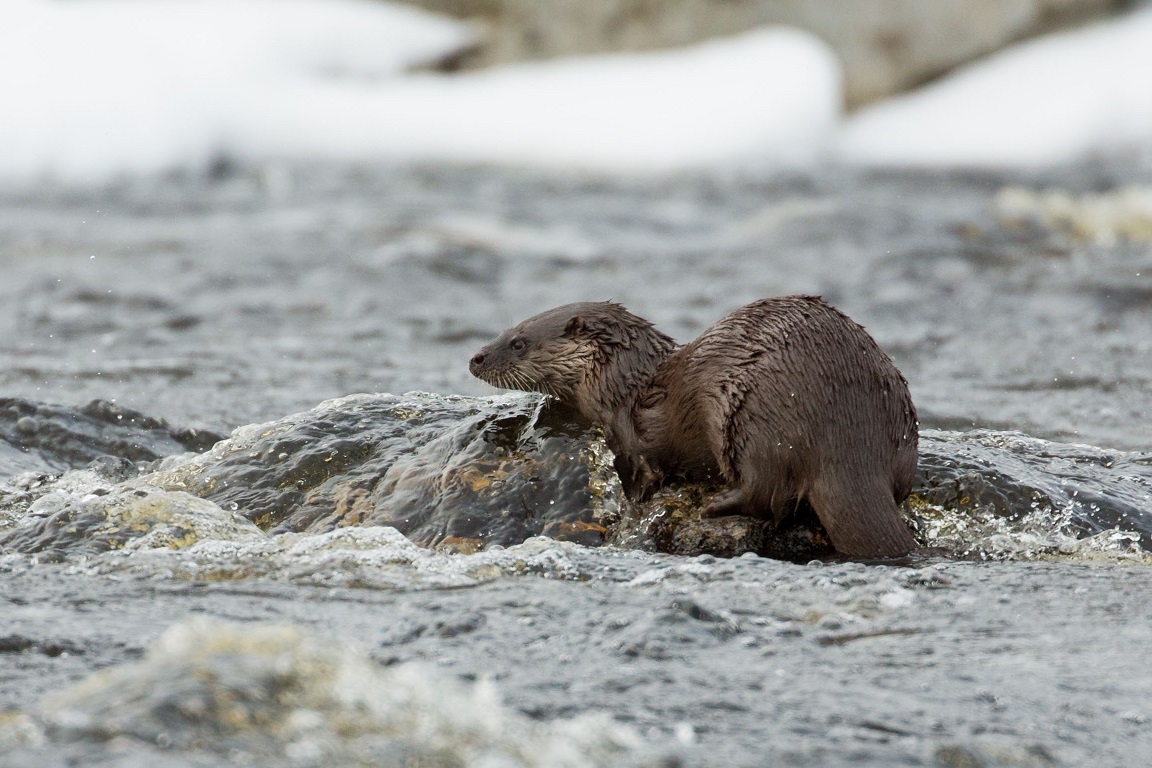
[517,345]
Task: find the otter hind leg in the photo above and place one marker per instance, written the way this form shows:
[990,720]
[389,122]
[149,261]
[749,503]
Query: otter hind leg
[759,500]
[756,472]
[725,504]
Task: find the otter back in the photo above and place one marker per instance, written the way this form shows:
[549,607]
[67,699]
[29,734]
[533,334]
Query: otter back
[794,402]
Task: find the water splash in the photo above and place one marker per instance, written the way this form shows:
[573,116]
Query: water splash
[274,694]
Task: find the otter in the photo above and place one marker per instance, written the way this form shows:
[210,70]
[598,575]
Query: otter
[786,399]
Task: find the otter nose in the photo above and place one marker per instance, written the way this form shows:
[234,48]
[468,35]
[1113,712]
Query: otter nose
[477,360]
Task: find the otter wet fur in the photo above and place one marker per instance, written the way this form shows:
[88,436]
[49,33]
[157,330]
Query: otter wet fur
[787,399]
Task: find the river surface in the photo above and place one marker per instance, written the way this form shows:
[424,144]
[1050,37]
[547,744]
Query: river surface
[195,306]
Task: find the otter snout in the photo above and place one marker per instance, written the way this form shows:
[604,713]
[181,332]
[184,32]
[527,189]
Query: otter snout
[476,364]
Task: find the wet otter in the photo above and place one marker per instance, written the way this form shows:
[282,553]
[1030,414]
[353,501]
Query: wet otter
[787,399]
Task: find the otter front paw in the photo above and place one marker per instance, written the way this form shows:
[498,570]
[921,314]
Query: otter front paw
[638,478]
[647,480]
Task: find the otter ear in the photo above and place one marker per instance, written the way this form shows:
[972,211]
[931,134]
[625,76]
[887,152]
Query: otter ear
[576,326]
[598,329]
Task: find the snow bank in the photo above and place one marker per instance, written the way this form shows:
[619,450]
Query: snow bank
[94,88]
[90,89]
[770,95]
[1048,101]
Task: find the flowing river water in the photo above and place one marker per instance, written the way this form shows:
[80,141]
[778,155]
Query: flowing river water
[454,578]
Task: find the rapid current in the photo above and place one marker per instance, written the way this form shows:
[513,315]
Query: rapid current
[254,510]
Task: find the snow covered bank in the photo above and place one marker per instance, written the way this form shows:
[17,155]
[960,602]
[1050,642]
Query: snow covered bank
[766,96]
[1049,101]
[93,89]
[109,86]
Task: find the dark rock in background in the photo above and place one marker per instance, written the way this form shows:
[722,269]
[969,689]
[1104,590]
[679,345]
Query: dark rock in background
[886,46]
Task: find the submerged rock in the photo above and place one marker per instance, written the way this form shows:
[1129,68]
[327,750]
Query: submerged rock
[62,523]
[42,437]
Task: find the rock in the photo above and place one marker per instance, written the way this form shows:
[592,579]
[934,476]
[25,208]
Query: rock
[886,45]
[60,524]
[671,522]
[447,472]
[460,474]
[43,437]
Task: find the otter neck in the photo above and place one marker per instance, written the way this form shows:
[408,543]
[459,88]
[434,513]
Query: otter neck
[622,377]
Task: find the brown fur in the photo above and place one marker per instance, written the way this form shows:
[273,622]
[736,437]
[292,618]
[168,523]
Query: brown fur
[787,399]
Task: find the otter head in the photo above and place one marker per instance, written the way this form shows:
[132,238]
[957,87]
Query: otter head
[591,355]
[545,353]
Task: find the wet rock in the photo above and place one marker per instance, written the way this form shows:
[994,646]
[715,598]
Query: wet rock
[462,474]
[671,522]
[725,537]
[44,437]
[885,46]
[442,470]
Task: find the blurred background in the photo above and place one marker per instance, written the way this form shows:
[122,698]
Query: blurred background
[93,88]
[220,211]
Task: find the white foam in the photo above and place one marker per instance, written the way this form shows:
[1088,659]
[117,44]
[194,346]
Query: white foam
[1041,534]
[373,557]
[1103,217]
[275,695]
